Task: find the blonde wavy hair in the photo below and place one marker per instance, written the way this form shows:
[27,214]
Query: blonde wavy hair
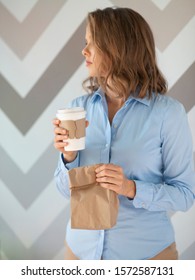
[125,41]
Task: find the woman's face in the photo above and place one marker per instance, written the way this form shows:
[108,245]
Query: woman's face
[92,57]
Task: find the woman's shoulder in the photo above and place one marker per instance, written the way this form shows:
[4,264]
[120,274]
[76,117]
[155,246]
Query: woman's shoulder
[167,104]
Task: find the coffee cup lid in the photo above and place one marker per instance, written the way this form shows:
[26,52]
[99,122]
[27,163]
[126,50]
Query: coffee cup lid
[70,110]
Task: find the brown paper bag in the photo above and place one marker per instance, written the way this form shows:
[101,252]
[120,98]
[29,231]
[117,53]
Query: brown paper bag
[92,207]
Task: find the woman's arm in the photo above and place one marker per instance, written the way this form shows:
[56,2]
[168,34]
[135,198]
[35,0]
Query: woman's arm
[177,192]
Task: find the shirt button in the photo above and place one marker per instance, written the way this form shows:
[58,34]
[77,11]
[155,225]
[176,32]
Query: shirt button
[106,146]
[115,126]
[143,205]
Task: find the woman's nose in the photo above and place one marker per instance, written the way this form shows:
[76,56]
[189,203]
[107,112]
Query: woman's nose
[84,51]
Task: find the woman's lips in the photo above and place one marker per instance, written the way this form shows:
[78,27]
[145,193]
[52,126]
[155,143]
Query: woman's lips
[88,63]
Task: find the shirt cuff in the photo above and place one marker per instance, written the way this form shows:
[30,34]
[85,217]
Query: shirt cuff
[144,195]
[70,165]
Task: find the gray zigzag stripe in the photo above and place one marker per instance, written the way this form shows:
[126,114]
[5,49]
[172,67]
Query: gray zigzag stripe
[160,21]
[46,246]
[27,187]
[183,89]
[189,253]
[22,36]
[27,110]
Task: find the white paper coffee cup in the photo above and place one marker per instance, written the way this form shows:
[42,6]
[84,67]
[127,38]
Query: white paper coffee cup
[73,117]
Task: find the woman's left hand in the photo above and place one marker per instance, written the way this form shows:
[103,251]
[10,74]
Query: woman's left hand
[112,177]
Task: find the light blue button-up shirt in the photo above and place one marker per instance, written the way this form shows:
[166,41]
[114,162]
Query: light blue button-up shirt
[151,140]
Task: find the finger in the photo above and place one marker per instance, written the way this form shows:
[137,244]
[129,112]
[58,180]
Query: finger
[110,170]
[107,173]
[109,166]
[59,138]
[60,146]
[109,186]
[86,123]
[60,130]
[56,121]
[109,180]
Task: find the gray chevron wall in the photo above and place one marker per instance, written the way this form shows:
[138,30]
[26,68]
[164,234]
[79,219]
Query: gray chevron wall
[42,69]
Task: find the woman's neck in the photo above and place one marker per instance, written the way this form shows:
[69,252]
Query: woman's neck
[114,98]
[114,102]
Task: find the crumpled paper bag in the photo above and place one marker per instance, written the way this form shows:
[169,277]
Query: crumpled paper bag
[92,206]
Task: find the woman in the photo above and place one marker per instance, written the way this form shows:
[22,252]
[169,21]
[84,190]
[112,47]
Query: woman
[141,136]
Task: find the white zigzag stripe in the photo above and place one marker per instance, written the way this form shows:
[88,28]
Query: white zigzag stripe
[24,74]
[191,119]
[20,8]
[23,222]
[184,229]
[172,61]
[26,150]
[161,4]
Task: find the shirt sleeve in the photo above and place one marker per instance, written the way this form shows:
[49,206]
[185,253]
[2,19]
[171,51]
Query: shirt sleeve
[61,175]
[177,190]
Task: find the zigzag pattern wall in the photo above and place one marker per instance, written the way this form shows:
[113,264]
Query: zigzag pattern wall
[41,70]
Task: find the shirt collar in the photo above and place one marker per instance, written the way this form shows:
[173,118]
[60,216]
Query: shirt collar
[99,94]
[146,101]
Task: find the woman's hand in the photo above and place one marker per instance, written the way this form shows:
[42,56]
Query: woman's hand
[111,176]
[61,135]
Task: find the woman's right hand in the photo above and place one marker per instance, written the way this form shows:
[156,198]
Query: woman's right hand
[60,137]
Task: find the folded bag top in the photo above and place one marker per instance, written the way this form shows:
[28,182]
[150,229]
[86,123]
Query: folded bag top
[92,206]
